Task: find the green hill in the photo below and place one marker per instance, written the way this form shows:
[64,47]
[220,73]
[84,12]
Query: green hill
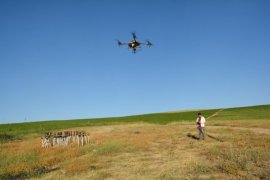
[242,113]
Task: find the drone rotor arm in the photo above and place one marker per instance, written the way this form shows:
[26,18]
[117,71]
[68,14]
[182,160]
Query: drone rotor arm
[121,43]
[134,36]
[148,43]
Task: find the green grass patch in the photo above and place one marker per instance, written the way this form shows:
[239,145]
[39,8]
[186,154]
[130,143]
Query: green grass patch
[200,168]
[21,167]
[21,129]
[244,113]
[41,127]
[5,137]
[110,148]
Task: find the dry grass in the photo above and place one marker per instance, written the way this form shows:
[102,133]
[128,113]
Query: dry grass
[147,151]
[26,158]
[244,154]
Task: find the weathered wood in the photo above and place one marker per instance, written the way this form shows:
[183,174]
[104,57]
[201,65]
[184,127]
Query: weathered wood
[64,138]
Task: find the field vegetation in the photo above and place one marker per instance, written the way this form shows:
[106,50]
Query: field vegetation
[153,146]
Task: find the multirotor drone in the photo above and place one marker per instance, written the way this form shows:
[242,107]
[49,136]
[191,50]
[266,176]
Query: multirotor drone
[134,44]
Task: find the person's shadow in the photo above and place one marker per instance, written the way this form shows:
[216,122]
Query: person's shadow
[192,136]
[208,135]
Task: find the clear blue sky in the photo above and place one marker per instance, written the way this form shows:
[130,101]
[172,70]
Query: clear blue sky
[59,59]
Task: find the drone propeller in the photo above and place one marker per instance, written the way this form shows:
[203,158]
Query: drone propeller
[149,44]
[120,43]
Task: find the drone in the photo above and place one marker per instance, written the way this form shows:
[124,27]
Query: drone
[134,44]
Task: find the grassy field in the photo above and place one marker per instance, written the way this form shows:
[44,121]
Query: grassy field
[22,129]
[153,146]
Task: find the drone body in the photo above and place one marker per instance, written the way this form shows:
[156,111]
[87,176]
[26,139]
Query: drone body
[134,44]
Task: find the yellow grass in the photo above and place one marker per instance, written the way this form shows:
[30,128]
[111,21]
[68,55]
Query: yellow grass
[237,149]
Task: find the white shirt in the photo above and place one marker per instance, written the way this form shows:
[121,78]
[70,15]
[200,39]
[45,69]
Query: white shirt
[202,121]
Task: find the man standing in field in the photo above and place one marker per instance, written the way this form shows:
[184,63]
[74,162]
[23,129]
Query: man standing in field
[201,124]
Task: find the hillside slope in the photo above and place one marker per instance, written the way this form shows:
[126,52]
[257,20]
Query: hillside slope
[152,146]
[242,113]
